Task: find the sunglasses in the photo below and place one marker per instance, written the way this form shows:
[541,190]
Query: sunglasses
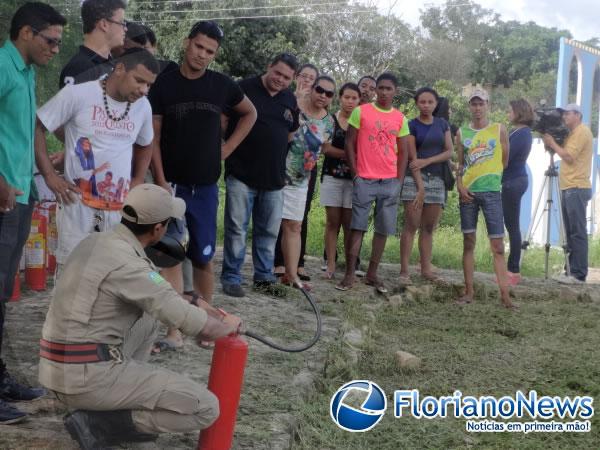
[320,90]
[52,42]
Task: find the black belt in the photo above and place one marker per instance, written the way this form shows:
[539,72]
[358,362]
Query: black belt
[79,353]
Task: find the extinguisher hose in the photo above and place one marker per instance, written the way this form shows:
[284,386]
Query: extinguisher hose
[312,342]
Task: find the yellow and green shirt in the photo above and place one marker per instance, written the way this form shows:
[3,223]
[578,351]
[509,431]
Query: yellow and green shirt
[483,158]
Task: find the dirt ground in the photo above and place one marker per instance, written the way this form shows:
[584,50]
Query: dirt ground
[274,381]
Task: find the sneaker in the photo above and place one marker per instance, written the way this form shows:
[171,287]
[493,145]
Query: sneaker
[563,278]
[324,266]
[270,288]
[233,290]
[360,273]
[12,391]
[9,414]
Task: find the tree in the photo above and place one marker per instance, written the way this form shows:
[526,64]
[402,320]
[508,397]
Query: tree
[356,43]
[461,21]
[512,50]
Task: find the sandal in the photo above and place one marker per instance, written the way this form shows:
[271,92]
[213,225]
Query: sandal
[295,284]
[303,276]
[377,284]
[463,301]
[165,345]
[207,345]
[329,275]
[405,280]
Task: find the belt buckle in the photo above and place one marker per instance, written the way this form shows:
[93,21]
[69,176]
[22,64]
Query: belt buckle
[115,353]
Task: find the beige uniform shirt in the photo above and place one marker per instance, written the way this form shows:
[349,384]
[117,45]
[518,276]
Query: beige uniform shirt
[107,284]
[579,145]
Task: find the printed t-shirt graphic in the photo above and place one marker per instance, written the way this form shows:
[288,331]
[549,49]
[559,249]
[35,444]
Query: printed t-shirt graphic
[305,148]
[377,151]
[483,158]
[98,150]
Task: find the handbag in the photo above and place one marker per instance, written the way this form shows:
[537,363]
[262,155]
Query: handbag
[447,176]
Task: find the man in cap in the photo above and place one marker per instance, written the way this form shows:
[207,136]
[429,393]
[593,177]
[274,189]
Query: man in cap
[575,190]
[482,149]
[101,325]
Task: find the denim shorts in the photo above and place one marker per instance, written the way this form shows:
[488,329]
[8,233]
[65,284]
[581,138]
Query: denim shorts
[435,192]
[490,204]
[201,203]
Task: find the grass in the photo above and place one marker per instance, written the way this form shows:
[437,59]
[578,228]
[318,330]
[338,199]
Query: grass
[550,346]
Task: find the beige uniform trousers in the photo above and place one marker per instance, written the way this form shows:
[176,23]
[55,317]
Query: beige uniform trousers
[161,401]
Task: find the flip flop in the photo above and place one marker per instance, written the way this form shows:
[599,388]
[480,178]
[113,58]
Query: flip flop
[303,276]
[343,287]
[295,284]
[405,280]
[462,301]
[165,345]
[377,284]
[207,345]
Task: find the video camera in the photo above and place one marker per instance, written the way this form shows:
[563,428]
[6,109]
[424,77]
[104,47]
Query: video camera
[549,120]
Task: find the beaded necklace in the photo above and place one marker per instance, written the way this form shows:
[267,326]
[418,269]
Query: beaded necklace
[108,113]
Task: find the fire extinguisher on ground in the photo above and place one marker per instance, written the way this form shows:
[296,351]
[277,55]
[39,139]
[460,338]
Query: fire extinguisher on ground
[35,252]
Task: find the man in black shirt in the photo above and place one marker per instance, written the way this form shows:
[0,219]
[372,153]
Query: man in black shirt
[255,175]
[187,106]
[103,29]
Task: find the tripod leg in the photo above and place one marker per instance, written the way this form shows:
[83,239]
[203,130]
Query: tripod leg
[535,220]
[561,227]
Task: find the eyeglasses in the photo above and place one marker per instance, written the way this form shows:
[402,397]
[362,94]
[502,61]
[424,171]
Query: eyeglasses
[320,90]
[52,42]
[116,22]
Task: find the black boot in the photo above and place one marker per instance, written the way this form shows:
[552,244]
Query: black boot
[95,430]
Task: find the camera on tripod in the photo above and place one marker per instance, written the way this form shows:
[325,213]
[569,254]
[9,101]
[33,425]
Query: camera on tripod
[549,120]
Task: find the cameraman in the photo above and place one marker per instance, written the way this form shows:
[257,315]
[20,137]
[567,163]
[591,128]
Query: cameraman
[575,187]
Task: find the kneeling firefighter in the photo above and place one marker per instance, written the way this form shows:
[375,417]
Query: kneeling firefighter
[101,325]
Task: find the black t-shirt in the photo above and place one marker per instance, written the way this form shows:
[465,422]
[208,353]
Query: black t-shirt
[166,65]
[259,161]
[337,167]
[85,65]
[191,110]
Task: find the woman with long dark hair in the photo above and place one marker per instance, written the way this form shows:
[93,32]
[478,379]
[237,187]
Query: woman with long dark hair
[336,181]
[424,193]
[515,181]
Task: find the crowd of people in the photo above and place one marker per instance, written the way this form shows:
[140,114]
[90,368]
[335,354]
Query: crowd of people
[128,119]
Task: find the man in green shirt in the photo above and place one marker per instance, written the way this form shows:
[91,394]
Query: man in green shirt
[35,37]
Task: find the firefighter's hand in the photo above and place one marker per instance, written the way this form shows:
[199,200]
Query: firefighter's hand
[215,328]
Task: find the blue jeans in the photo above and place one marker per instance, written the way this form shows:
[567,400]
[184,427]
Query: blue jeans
[512,192]
[266,208]
[14,230]
[574,206]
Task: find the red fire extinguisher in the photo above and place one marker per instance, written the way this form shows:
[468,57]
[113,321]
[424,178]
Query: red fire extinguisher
[16,293]
[225,381]
[35,252]
[52,240]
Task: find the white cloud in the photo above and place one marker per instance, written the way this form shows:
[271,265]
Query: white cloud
[580,17]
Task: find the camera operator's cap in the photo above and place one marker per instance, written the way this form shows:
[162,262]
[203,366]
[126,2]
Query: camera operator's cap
[479,93]
[574,107]
[152,204]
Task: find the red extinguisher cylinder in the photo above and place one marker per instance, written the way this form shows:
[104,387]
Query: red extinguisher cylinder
[35,253]
[16,293]
[225,381]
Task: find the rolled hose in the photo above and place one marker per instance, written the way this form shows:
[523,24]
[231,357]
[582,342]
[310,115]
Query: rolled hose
[312,342]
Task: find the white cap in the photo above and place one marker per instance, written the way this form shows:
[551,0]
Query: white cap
[152,204]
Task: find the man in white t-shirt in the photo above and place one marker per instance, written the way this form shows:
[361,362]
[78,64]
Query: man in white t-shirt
[104,122]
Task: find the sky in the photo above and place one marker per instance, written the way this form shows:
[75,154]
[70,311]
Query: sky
[580,17]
